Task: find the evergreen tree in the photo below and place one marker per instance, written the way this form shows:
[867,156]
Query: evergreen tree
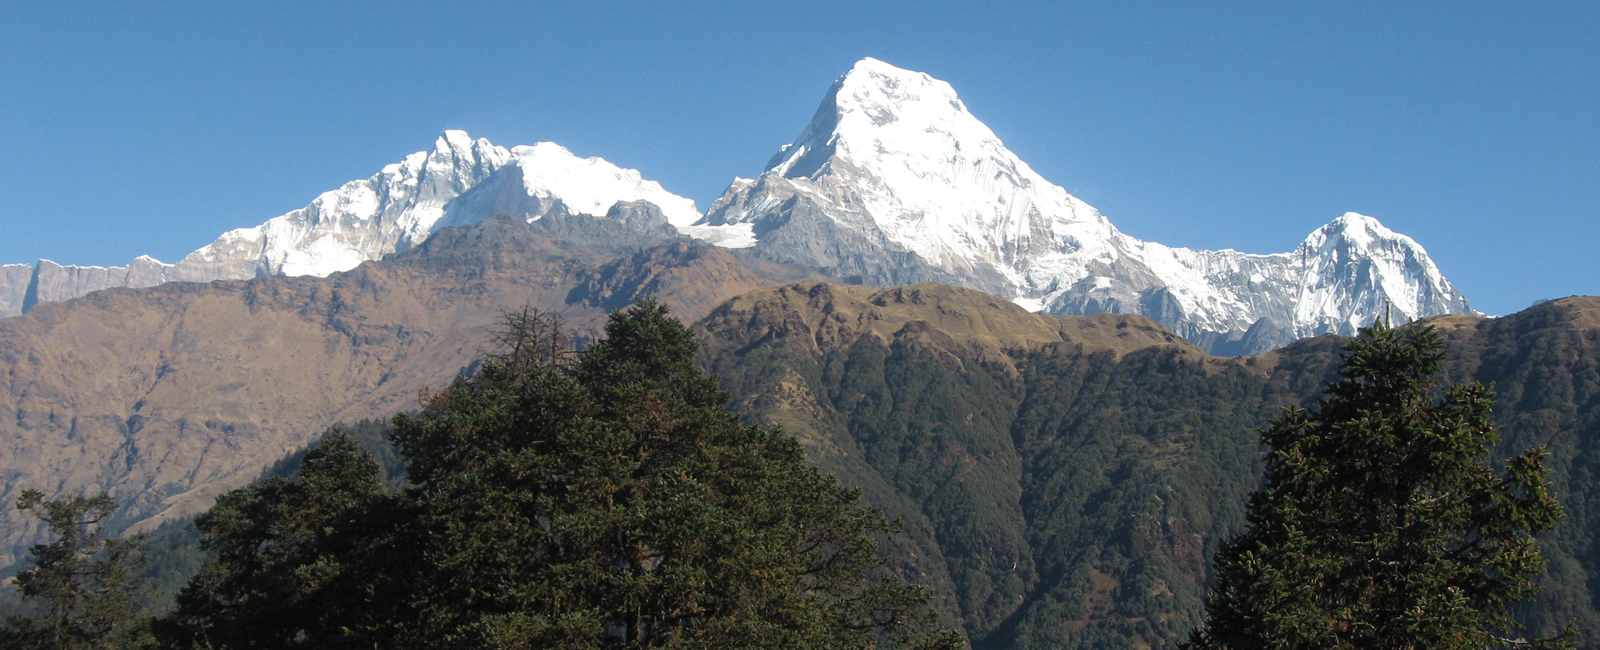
[86,583]
[290,560]
[613,502]
[1379,525]
[558,500]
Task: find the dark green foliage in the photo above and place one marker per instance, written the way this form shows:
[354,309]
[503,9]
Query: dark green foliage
[1546,374]
[291,561]
[173,551]
[614,503]
[1130,471]
[1379,526]
[1068,500]
[1132,468]
[604,500]
[85,584]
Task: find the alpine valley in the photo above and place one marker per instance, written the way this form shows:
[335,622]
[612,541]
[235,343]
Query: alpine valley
[1064,418]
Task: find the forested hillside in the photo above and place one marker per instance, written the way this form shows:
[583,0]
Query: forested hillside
[1066,482]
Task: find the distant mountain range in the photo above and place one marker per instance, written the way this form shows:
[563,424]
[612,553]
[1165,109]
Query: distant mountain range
[892,182]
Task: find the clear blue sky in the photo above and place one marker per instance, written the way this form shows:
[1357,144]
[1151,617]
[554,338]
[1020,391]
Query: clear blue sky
[152,127]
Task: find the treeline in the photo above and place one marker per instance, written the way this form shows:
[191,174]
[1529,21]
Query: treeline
[595,499]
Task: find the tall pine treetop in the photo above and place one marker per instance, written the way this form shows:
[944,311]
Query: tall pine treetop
[1379,524]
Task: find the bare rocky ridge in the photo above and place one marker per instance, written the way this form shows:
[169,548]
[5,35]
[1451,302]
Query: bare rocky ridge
[167,396]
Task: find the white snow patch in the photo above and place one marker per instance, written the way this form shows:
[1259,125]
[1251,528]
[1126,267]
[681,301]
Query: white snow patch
[1031,304]
[592,185]
[733,235]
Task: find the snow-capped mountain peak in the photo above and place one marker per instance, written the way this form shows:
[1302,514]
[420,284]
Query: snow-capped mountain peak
[408,201]
[461,180]
[1355,270]
[877,111]
[895,181]
[898,160]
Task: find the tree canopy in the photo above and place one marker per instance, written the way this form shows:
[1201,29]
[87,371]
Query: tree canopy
[86,583]
[1379,524]
[602,499]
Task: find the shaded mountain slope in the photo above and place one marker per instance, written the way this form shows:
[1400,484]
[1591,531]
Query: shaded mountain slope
[1064,482]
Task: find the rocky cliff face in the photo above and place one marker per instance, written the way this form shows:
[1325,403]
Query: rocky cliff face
[894,181]
[167,396]
[14,280]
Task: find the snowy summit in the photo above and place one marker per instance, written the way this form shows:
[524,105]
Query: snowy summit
[895,181]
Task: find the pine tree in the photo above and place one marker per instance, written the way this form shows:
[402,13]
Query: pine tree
[292,561]
[612,502]
[86,583]
[602,499]
[1378,524]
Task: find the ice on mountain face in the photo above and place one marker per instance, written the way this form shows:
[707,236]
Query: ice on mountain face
[1030,304]
[930,175]
[406,202]
[737,235]
[1355,270]
[894,181]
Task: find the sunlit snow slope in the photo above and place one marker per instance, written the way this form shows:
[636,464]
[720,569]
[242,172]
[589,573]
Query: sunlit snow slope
[894,181]
[459,182]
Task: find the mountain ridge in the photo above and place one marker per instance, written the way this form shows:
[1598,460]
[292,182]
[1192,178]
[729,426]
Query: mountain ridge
[892,182]
[903,184]
[390,212]
[1063,480]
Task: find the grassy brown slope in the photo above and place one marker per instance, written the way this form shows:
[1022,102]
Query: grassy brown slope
[171,395]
